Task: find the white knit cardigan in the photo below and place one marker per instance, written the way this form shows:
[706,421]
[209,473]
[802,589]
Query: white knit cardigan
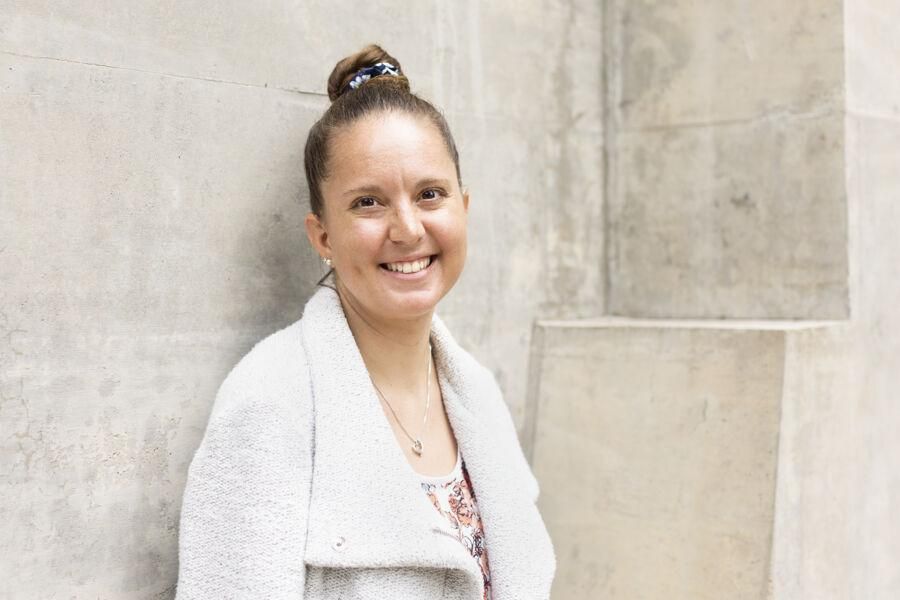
[300,490]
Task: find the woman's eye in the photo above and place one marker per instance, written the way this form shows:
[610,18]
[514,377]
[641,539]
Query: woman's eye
[366,202]
[432,194]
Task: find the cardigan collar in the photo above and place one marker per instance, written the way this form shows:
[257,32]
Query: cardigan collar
[367,508]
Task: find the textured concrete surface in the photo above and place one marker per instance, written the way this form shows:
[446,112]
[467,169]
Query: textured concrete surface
[687,63]
[656,445]
[143,264]
[715,113]
[151,228]
[742,220]
[679,459]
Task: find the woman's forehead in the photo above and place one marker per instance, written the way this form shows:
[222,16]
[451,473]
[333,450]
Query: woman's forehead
[388,142]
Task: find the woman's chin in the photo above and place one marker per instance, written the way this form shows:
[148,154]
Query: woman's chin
[411,304]
[392,300]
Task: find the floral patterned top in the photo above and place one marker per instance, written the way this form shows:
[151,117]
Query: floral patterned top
[453,497]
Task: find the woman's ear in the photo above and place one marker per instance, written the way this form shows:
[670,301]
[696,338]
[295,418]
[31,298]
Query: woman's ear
[465,193]
[318,236]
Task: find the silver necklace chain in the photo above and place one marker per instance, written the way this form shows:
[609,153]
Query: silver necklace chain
[416,441]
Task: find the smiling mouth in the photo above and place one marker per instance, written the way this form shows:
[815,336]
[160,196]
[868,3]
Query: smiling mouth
[413,266]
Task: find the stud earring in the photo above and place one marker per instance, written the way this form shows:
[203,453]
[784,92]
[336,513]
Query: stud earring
[327,261]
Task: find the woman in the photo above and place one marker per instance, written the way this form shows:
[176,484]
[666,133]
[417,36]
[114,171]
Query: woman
[360,452]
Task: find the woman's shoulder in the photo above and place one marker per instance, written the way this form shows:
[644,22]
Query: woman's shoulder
[277,352]
[271,377]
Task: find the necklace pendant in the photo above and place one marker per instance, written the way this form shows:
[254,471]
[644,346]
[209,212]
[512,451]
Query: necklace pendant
[417,447]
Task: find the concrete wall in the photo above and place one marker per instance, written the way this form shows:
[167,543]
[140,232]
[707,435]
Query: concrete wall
[752,175]
[151,212]
[685,167]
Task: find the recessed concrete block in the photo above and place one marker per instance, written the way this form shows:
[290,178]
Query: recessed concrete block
[656,447]
[688,62]
[746,220]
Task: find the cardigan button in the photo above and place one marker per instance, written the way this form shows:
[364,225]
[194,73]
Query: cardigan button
[339,543]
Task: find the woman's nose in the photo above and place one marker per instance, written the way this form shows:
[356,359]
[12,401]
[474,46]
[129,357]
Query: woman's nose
[406,224]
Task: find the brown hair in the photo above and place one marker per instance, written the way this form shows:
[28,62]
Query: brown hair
[378,94]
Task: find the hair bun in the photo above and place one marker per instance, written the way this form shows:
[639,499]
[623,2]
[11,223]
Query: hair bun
[347,68]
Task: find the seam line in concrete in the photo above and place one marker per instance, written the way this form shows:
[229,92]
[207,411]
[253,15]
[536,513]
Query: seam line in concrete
[164,74]
[533,391]
[613,322]
[609,77]
[765,117]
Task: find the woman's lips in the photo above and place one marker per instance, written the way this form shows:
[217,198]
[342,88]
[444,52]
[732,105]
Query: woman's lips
[408,266]
[410,269]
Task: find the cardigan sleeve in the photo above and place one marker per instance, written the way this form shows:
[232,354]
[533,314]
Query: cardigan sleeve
[243,515]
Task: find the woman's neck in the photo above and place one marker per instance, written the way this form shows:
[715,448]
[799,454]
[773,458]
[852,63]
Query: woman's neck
[395,352]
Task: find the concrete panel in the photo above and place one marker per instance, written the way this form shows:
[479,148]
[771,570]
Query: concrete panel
[655,447]
[500,58]
[267,43]
[744,220]
[151,232]
[127,195]
[682,62]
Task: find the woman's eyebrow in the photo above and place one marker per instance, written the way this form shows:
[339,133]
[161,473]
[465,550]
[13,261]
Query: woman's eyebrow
[433,181]
[364,189]
[374,189]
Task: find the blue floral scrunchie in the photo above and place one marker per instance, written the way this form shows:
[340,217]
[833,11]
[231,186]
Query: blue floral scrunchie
[363,75]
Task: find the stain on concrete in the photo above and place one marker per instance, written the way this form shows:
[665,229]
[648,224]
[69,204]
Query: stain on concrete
[107,387]
[744,201]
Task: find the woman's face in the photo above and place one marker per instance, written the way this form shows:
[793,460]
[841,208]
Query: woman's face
[394,217]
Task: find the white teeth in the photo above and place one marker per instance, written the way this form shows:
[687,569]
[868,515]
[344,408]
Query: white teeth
[409,267]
